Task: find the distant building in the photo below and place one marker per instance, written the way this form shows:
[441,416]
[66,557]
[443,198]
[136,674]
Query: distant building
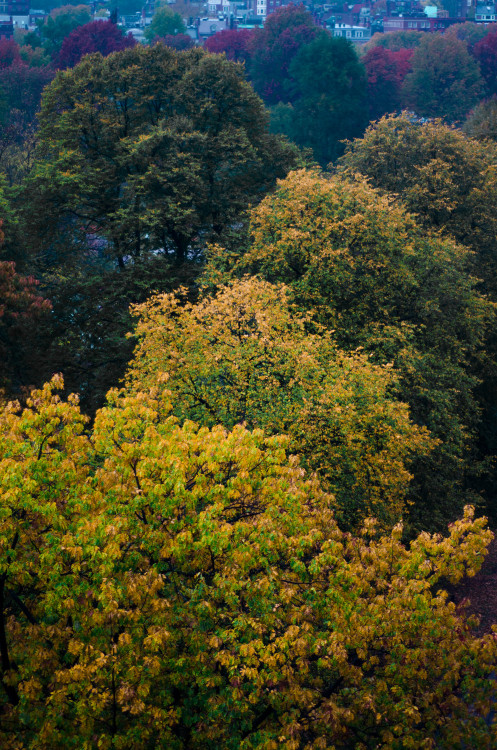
[485,13]
[207,27]
[6,30]
[357,34]
[266,7]
[15,12]
[420,23]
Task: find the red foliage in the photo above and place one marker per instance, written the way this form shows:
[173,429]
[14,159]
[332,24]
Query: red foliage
[18,298]
[20,308]
[485,52]
[9,53]
[274,47]
[233,43]
[23,87]
[385,71]
[98,36]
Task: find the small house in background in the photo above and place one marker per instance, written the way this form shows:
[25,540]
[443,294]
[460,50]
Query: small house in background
[207,27]
[357,34]
[15,12]
[6,29]
[485,13]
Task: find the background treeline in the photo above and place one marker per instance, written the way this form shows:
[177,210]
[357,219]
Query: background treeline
[194,563]
[319,89]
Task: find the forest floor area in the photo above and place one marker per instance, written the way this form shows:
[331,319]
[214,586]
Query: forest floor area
[480,591]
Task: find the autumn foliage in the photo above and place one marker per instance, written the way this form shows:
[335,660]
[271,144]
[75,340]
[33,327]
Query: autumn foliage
[175,586]
[21,308]
[243,357]
[247,543]
[98,36]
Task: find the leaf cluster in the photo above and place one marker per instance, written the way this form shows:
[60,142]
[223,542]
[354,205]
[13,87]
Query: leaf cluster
[175,586]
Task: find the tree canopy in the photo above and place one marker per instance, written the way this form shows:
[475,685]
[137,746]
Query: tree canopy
[175,586]
[98,36]
[165,22]
[329,96]
[149,150]
[445,80]
[273,47]
[371,274]
[242,357]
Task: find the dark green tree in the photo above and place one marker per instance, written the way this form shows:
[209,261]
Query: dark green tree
[330,96]
[148,150]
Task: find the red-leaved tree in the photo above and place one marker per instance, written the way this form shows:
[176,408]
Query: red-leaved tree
[21,307]
[233,43]
[9,53]
[385,71]
[485,52]
[97,36]
[273,49]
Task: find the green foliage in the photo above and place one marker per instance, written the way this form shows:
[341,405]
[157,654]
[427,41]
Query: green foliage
[468,32]
[395,40]
[85,336]
[150,150]
[242,357]
[330,96]
[177,587]
[445,80]
[59,24]
[371,274]
[443,177]
[165,22]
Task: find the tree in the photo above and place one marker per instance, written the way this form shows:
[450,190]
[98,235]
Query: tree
[9,53]
[443,177]
[59,24]
[273,47]
[481,122]
[468,32]
[385,73]
[379,281]
[165,22]
[98,36]
[485,52]
[395,40]
[448,181]
[242,357]
[21,309]
[22,87]
[444,81]
[34,57]
[149,150]
[234,43]
[329,96]
[172,586]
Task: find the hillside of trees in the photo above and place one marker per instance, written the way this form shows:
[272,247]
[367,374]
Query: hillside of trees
[248,371]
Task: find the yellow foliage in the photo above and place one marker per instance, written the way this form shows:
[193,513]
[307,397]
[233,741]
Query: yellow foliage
[245,357]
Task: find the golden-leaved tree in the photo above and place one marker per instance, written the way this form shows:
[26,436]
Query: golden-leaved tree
[165,585]
[244,356]
[368,271]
